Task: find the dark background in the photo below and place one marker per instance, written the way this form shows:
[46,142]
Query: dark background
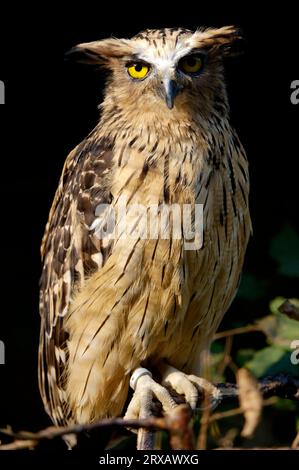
[51,105]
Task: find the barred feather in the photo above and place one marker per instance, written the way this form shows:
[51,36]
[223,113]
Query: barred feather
[107,308]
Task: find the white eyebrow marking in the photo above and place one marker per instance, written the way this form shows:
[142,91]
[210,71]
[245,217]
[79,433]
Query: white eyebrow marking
[166,58]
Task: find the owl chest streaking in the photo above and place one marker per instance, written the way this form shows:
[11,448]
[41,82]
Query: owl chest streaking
[110,304]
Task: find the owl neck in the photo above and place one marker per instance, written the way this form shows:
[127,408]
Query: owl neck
[160,122]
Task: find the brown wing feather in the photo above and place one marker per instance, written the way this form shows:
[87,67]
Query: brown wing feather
[70,252]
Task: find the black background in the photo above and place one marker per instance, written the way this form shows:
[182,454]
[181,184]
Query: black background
[51,105]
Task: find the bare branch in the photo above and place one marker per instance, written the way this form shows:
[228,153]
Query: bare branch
[238,411]
[236,331]
[281,385]
[53,432]
[176,423]
[19,445]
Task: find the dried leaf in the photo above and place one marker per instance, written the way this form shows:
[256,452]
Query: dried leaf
[250,400]
[278,328]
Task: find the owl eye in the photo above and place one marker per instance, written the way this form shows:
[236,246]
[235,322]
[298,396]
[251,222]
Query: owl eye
[138,71]
[191,64]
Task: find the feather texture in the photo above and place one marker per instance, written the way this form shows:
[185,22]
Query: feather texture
[109,306]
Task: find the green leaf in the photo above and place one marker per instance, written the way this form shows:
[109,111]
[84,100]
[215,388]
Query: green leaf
[283,404]
[272,360]
[243,356]
[284,249]
[275,304]
[279,329]
[278,301]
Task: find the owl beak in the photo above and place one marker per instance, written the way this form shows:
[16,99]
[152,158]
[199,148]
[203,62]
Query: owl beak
[171,90]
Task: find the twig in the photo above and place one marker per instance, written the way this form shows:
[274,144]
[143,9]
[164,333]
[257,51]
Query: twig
[53,432]
[204,426]
[236,331]
[238,411]
[226,355]
[176,423]
[281,385]
[19,445]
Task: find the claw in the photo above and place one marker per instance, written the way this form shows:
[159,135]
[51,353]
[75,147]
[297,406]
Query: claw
[145,390]
[191,387]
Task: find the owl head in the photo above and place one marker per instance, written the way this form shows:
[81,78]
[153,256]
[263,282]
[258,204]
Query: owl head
[167,68]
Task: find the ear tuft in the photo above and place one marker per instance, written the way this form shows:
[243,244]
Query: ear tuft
[233,42]
[226,41]
[84,56]
[100,52]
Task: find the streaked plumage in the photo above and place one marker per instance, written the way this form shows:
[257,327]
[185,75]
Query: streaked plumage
[106,308]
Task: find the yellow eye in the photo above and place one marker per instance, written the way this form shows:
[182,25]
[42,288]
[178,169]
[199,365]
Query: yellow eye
[191,64]
[138,71]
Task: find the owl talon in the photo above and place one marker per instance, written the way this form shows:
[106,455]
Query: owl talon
[191,386]
[142,402]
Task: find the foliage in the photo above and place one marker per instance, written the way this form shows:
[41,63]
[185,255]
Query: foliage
[265,348]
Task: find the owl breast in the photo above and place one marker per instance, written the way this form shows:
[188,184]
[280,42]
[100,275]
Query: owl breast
[176,293]
[154,299]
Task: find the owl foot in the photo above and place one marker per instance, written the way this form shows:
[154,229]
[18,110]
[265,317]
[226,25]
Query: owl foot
[146,389]
[192,387]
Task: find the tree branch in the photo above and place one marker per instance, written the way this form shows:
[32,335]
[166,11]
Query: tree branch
[176,423]
[280,385]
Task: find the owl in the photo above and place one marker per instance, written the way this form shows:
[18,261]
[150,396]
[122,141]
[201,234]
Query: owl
[119,308]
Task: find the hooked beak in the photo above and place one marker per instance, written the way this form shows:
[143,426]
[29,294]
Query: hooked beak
[171,90]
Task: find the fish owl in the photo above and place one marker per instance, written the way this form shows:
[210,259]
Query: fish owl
[120,306]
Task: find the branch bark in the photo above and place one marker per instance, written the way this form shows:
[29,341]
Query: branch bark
[177,423]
